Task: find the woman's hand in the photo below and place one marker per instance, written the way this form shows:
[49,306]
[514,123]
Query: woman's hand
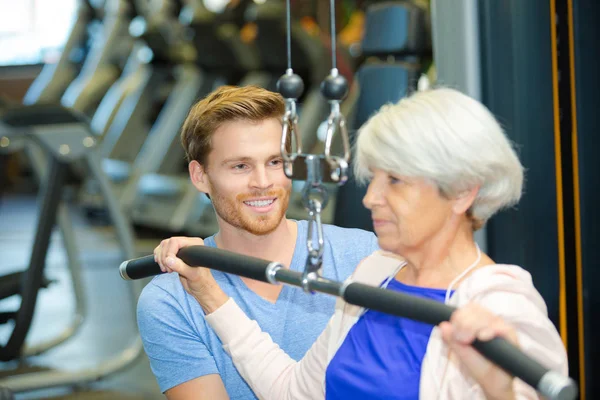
[197,281]
[475,322]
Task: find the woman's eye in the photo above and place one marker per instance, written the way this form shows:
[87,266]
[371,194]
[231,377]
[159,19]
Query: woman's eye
[393,179]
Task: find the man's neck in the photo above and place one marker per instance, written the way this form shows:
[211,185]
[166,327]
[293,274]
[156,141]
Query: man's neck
[278,245]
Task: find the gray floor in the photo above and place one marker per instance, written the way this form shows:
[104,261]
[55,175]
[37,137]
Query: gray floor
[110,323]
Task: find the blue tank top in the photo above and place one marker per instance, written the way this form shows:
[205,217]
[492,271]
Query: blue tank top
[382,354]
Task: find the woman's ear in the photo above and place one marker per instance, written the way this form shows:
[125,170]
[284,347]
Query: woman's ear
[198,176]
[465,200]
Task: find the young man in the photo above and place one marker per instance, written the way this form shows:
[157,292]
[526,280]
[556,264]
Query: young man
[232,141]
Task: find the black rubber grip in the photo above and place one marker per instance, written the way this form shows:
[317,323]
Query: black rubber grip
[226,261]
[498,350]
[209,257]
[512,360]
[139,268]
[396,303]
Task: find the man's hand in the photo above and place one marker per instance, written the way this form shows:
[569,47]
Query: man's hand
[167,250]
[197,281]
[475,322]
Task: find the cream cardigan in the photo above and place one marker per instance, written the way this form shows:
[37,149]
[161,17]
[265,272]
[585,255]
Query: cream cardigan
[505,289]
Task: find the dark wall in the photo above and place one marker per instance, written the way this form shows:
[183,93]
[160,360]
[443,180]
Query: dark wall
[587,85]
[517,87]
[557,222]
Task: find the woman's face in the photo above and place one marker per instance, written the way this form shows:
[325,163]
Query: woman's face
[407,213]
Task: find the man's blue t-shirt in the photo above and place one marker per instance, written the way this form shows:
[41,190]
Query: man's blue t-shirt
[182,347]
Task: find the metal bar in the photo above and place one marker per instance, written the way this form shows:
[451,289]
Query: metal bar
[550,383]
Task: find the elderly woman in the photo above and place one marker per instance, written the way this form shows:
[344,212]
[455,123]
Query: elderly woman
[438,166]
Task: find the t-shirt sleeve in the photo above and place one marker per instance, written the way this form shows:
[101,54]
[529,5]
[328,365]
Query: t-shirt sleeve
[361,244]
[176,351]
[373,244]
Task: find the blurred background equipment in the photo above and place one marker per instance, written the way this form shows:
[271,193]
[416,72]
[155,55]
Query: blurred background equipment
[122,75]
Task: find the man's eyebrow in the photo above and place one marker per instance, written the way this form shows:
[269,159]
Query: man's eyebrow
[247,159]
[236,159]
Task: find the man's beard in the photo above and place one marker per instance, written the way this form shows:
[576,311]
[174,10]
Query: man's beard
[233,212]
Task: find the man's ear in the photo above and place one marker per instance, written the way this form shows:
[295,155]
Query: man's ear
[465,200]
[198,177]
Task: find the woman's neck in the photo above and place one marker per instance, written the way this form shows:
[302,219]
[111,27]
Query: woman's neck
[440,260]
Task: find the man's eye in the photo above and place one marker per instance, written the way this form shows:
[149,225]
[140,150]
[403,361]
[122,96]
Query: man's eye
[239,166]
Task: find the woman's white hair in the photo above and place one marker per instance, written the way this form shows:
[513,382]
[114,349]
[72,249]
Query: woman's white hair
[446,137]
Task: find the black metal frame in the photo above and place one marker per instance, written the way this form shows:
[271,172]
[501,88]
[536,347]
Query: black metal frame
[31,280]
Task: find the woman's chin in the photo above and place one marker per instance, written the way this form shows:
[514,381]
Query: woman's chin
[386,244]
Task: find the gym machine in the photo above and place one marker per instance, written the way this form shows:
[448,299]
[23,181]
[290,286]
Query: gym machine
[64,138]
[110,45]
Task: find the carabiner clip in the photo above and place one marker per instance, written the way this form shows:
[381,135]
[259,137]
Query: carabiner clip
[314,260]
[290,125]
[339,165]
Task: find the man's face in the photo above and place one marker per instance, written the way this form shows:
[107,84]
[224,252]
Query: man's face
[244,176]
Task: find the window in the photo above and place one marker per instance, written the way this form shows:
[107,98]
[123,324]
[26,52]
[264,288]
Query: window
[34,31]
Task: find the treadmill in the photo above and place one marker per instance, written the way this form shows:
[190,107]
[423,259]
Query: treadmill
[102,67]
[53,80]
[137,104]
